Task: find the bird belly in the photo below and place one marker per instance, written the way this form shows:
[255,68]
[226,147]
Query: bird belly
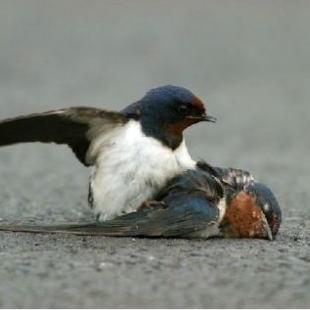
[131,170]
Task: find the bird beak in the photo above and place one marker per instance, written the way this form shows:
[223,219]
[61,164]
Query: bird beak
[209,118]
[203,118]
[266,228]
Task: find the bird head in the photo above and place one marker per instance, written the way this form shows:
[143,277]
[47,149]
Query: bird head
[268,204]
[174,107]
[252,213]
[164,113]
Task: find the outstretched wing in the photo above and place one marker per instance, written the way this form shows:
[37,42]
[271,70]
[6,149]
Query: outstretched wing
[183,218]
[77,127]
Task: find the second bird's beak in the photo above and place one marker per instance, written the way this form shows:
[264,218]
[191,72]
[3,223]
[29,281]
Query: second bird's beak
[266,230]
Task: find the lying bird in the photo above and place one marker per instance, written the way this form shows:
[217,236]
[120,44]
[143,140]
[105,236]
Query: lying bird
[195,204]
[133,152]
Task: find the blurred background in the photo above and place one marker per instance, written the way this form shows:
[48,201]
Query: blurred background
[249,60]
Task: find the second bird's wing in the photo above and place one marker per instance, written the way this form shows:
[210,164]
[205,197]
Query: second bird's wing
[185,216]
[77,127]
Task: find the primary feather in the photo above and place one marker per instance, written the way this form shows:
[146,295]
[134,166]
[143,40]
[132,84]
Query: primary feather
[76,127]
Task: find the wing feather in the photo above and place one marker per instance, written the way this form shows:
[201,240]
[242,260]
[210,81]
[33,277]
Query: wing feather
[76,127]
[185,215]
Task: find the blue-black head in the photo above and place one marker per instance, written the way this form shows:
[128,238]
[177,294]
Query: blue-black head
[252,212]
[174,104]
[166,111]
[268,203]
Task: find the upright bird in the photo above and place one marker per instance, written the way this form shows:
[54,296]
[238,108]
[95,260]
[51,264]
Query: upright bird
[133,152]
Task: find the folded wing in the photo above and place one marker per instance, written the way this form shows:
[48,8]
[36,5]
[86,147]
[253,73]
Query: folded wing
[182,218]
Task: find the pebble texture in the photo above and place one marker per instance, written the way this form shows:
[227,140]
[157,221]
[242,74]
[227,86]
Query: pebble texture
[248,59]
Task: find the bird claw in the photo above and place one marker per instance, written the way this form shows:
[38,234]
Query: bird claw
[151,204]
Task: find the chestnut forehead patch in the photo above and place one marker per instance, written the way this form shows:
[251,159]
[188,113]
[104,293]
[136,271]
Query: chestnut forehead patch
[198,104]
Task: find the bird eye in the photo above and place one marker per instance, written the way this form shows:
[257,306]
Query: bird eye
[183,108]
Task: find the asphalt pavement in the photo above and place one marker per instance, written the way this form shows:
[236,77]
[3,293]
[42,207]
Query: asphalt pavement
[249,60]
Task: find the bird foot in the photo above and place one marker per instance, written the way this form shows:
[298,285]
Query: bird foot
[151,204]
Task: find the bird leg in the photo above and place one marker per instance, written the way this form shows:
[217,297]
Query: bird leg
[150,204]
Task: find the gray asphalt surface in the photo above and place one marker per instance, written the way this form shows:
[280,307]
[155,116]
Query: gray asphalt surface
[248,59]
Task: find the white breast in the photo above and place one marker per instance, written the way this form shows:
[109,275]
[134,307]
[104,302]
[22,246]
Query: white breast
[130,168]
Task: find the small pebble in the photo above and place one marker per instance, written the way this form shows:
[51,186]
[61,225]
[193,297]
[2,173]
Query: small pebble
[104,265]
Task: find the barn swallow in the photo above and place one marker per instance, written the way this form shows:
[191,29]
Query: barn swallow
[133,152]
[194,204]
[251,210]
